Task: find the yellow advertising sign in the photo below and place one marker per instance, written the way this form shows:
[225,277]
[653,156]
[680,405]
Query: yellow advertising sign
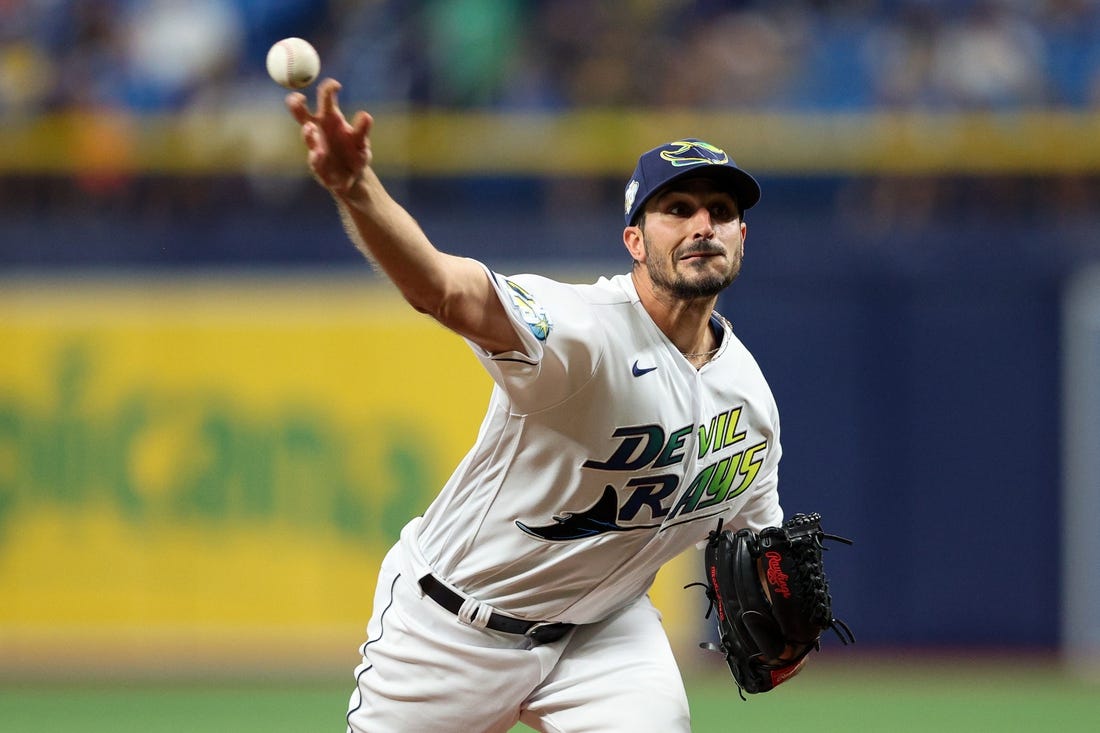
[214,464]
[221,455]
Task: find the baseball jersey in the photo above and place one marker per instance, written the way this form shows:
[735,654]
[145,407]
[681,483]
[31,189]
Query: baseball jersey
[603,454]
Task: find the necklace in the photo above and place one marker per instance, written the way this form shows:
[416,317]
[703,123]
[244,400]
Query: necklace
[701,354]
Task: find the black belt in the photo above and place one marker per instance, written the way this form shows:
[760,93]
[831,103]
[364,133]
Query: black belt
[541,632]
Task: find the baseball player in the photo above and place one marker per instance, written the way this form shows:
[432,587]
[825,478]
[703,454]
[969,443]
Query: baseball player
[626,419]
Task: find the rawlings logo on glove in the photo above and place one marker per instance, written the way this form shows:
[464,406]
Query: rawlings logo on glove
[777,579]
[772,599]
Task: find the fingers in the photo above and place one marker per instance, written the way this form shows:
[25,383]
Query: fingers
[311,136]
[361,125]
[339,150]
[327,106]
[326,97]
[296,103]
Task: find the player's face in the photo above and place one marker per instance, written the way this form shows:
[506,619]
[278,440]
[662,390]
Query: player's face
[694,240]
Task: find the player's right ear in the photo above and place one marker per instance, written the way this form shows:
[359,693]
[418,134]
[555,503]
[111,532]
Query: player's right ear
[634,240]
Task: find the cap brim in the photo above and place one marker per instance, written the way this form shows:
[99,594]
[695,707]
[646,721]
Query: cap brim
[740,184]
[743,186]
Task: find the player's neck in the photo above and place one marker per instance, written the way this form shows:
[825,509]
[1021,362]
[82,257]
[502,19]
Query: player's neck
[686,322]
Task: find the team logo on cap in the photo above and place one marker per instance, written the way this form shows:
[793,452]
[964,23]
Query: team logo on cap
[693,152]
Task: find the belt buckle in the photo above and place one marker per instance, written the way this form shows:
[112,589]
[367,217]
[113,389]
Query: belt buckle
[545,632]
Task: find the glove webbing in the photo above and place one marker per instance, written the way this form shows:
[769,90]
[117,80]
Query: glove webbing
[806,542]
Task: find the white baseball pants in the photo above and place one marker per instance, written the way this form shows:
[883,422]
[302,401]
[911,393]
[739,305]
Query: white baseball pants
[423,670]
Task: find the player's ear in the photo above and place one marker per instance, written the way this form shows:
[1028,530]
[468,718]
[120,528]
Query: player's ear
[634,240]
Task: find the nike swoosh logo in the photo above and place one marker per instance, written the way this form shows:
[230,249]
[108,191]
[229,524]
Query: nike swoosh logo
[638,371]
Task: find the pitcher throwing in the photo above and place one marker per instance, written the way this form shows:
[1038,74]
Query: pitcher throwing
[626,419]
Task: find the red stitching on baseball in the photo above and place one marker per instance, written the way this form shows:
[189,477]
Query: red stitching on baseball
[289,48]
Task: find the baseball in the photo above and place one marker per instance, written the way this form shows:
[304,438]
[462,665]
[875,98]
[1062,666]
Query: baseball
[293,63]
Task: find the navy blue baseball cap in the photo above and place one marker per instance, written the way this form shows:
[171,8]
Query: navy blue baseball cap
[688,157]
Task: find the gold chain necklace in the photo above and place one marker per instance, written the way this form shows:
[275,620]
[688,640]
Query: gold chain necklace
[701,354]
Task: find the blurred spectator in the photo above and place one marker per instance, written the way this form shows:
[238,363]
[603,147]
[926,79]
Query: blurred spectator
[741,58]
[595,53]
[27,70]
[173,48]
[468,46]
[898,53]
[164,55]
[27,76]
[990,58]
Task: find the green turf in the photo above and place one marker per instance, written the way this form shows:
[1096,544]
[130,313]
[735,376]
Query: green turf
[894,700]
[924,698]
[166,708]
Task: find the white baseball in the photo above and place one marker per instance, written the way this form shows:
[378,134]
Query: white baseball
[293,63]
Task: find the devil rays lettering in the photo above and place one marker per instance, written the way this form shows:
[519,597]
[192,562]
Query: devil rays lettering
[650,500]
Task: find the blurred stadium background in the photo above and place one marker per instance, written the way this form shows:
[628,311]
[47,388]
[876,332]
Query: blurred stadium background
[214,417]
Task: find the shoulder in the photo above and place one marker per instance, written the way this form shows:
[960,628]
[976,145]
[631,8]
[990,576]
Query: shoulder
[605,291]
[561,305]
[738,362]
[566,328]
[732,346]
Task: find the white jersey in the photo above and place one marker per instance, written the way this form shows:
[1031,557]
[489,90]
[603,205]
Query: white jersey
[603,455]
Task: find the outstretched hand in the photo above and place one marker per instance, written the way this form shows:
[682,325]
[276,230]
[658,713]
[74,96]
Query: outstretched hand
[339,151]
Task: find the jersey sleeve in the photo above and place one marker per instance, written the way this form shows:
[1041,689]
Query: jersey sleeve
[561,341]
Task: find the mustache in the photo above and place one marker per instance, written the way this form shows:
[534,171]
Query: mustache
[703,247]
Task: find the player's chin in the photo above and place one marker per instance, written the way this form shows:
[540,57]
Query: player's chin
[713,272]
[706,286]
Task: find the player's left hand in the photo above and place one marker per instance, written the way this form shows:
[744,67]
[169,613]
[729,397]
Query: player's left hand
[339,151]
[772,599]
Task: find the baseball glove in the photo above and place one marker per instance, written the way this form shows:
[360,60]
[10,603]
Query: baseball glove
[772,599]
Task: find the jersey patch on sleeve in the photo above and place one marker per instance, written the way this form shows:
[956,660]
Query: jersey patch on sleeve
[529,310]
